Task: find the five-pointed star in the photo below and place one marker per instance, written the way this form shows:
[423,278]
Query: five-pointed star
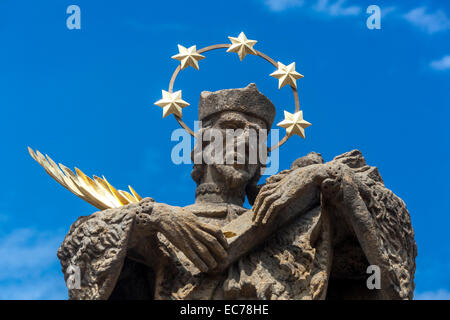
[188,57]
[286,75]
[294,123]
[171,103]
[242,46]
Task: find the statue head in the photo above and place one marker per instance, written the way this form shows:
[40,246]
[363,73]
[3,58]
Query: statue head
[231,144]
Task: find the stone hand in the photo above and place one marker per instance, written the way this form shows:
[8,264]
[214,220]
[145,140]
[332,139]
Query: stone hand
[203,244]
[280,191]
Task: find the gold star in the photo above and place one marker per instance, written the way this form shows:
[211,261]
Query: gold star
[242,46]
[294,124]
[286,75]
[188,57]
[171,103]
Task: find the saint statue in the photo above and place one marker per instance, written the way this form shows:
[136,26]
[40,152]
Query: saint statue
[315,231]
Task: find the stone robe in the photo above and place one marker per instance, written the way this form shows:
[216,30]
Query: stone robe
[322,253]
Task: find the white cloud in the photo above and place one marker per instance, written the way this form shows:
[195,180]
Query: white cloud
[337,8]
[442,294]
[387,11]
[42,288]
[333,8]
[26,252]
[29,268]
[442,64]
[429,22]
[280,5]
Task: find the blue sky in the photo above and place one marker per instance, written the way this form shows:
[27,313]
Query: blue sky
[86,98]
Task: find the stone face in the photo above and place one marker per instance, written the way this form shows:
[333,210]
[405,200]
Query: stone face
[311,233]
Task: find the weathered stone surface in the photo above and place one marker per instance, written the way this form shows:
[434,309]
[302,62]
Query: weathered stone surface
[247,100]
[97,245]
[309,159]
[311,234]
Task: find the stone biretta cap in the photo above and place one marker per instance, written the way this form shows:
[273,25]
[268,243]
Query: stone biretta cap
[246,100]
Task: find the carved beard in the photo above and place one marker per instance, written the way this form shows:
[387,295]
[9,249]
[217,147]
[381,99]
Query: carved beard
[235,175]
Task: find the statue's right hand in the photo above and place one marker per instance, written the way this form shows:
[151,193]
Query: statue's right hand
[203,244]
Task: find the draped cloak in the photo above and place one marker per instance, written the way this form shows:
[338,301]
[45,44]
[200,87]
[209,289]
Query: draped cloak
[322,254]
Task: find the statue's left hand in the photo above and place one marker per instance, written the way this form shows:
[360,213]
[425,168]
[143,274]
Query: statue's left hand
[285,188]
[270,199]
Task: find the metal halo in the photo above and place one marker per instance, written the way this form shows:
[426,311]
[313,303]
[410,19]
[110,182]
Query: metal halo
[224,46]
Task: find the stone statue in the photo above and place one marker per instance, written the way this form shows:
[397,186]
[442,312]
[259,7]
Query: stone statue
[312,232]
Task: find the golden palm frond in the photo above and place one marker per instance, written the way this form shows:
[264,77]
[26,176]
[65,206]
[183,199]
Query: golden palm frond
[97,191]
